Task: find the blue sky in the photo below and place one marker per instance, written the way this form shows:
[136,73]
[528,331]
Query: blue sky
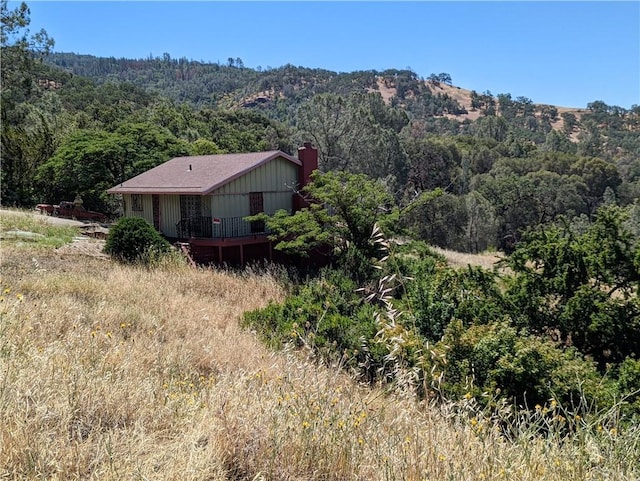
[560,53]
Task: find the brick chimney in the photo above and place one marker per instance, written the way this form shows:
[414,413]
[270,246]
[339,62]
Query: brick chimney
[309,158]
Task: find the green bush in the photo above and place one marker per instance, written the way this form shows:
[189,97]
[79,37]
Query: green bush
[437,295]
[134,240]
[582,284]
[629,387]
[527,369]
[328,316]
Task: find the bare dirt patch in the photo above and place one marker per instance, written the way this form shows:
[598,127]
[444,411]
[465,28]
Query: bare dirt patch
[386,92]
[83,245]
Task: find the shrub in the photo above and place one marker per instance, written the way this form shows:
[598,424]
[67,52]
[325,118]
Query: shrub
[328,316]
[629,387]
[133,239]
[526,369]
[438,295]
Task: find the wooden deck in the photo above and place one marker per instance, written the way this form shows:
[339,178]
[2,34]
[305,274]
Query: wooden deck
[231,250]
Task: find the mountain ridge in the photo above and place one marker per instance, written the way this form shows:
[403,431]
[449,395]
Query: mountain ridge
[111,68]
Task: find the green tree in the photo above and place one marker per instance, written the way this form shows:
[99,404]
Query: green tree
[357,133]
[548,113]
[205,147]
[512,196]
[476,103]
[507,106]
[439,295]
[491,127]
[481,228]
[21,55]
[584,286]
[241,131]
[557,142]
[596,175]
[442,221]
[90,162]
[343,210]
[569,122]
[555,195]
[445,78]
[432,163]
[525,369]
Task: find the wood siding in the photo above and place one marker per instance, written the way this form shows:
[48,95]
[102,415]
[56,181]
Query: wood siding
[169,211]
[170,208]
[147,208]
[274,179]
[275,176]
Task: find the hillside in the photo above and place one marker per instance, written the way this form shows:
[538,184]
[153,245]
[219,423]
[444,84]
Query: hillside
[116,372]
[239,87]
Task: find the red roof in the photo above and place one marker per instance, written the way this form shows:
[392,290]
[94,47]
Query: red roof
[197,175]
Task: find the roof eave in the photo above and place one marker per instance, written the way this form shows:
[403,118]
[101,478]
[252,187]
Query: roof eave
[154,191]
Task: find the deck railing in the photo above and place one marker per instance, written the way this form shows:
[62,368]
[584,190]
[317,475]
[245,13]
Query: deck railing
[213,227]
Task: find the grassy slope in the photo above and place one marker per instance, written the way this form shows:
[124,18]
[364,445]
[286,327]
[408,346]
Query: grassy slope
[113,372]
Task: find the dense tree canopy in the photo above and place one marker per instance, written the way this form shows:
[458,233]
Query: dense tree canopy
[583,285]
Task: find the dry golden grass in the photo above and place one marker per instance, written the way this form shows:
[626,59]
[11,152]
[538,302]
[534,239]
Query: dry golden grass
[112,372]
[461,259]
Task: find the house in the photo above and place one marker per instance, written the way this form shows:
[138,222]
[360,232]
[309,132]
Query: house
[203,200]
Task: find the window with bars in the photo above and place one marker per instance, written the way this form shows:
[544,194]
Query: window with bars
[136,202]
[256,206]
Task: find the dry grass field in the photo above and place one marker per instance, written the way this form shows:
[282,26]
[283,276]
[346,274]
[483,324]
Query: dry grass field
[111,372]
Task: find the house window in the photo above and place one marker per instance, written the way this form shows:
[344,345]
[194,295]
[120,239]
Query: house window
[136,202]
[256,206]
[155,205]
[191,221]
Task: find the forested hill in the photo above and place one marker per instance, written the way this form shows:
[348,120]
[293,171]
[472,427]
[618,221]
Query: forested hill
[232,86]
[278,92]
